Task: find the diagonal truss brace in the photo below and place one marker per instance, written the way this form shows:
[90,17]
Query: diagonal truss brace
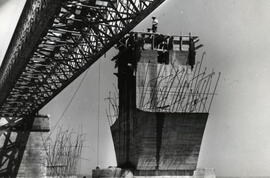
[55,41]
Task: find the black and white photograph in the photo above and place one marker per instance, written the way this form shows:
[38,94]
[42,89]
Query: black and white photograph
[134,89]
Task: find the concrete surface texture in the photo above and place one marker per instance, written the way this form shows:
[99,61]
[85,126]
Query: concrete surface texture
[117,172]
[168,143]
[33,164]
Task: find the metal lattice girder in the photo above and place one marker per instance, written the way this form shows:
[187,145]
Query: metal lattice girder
[55,41]
[13,143]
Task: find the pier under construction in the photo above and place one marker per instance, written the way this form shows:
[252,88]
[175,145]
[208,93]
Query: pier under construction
[159,111]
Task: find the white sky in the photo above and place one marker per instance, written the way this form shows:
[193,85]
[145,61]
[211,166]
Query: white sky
[10,11]
[236,38]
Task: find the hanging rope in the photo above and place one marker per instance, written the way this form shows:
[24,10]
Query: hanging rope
[68,105]
[98,114]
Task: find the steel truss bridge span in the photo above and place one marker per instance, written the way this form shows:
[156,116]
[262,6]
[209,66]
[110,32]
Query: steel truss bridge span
[57,40]
[54,42]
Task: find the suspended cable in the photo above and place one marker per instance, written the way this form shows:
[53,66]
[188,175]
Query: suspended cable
[69,103]
[98,113]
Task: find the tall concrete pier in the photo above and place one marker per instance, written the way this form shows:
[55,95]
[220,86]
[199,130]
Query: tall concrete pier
[33,163]
[164,100]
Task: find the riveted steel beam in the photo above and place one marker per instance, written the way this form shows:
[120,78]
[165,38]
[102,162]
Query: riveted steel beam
[57,40]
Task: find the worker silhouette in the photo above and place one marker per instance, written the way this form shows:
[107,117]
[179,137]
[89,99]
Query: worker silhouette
[154,24]
[191,53]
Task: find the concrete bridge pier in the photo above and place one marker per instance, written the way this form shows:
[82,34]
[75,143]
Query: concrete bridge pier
[33,163]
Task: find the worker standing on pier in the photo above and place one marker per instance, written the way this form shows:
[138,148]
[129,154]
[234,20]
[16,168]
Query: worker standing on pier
[154,24]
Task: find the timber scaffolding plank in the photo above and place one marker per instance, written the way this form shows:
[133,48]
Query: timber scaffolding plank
[57,40]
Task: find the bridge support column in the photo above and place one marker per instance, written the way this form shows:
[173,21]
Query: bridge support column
[33,163]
